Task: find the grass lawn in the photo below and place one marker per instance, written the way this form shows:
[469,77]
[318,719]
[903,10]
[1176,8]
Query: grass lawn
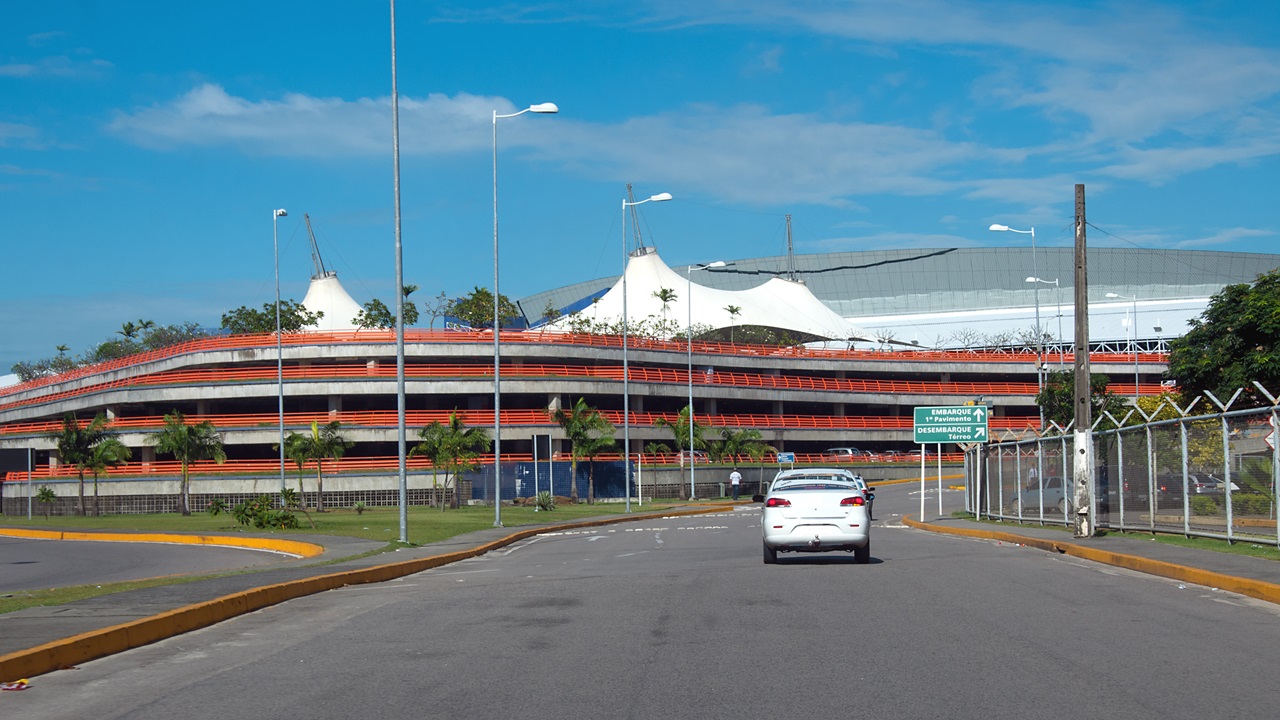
[425,525]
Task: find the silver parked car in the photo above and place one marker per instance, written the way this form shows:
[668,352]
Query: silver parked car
[816,510]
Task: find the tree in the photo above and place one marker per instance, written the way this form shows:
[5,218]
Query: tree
[476,309]
[736,443]
[46,497]
[324,441]
[75,444]
[1057,398]
[589,434]
[666,296]
[734,311]
[129,331]
[377,315]
[187,444]
[293,318]
[453,447]
[680,433]
[106,454]
[550,313]
[1235,341]
[437,307]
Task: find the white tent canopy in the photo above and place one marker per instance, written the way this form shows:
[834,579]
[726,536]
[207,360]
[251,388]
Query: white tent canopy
[327,295]
[777,303]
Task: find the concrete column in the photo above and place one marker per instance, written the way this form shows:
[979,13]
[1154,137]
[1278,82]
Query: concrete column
[202,407]
[111,413]
[335,404]
[710,407]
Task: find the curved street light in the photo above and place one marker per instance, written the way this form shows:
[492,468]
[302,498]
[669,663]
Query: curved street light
[541,108]
[693,461]
[1034,272]
[1057,299]
[626,397]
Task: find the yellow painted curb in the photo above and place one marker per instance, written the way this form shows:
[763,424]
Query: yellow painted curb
[289,547]
[126,636]
[1259,589]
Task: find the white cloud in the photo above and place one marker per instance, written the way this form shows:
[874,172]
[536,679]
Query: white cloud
[60,66]
[1225,237]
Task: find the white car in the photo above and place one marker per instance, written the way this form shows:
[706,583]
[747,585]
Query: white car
[816,510]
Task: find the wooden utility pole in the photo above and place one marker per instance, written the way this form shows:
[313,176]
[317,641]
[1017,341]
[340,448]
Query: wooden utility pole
[1083,441]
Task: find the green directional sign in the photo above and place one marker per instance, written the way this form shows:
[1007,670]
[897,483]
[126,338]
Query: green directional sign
[951,424]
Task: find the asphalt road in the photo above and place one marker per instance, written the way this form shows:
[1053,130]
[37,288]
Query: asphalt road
[27,564]
[679,619]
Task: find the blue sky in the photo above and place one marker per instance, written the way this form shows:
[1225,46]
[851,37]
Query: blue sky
[144,145]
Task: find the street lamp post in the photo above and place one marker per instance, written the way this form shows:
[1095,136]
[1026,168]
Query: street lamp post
[1058,299]
[275,244]
[626,396]
[542,108]
[693,462]
[1133,323]
[1034,273]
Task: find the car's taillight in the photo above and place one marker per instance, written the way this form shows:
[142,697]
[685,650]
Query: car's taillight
[777,502]
[855,501]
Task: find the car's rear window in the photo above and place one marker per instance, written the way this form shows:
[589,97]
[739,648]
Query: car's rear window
[814,483]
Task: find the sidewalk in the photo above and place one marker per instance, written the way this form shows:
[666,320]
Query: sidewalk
[40,640]
[1255,577]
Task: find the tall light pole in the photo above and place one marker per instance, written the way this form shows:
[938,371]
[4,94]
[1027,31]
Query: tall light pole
[544,108]
[1134,346]
[626,394]
[1034,273]
[1057,295]
[275,244]
[693,461]
[402,471]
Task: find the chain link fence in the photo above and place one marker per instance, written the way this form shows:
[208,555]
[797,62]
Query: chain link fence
[1202,470]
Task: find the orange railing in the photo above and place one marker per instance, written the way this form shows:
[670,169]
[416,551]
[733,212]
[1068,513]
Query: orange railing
[512,418]
[172,468]
[266,373]
[268,340]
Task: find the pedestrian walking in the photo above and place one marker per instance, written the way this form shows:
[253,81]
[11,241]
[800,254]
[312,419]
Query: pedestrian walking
[735,480]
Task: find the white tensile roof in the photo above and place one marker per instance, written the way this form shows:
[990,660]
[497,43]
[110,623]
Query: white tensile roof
[777,303]
[327,295]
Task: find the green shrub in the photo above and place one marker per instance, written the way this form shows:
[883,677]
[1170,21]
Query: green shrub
[261,512]
[216,507]
[546,501]
[1250,504]
[359,507]
[1201,505]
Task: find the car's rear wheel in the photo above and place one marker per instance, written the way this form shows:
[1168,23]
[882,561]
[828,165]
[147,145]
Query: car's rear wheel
[770,555]
[862,555]
[1062,506]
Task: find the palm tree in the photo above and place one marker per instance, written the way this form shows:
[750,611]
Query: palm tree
[46,497]
[106,454]
[128,330]
[745,442]
[680,433]
[734,311]
[667,296]
[589,434]
[75,444]
[188,443]
[323,442]
[453,447]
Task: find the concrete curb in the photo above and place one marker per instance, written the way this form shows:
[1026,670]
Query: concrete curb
[118,638]
[1259,589]
[288,547]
